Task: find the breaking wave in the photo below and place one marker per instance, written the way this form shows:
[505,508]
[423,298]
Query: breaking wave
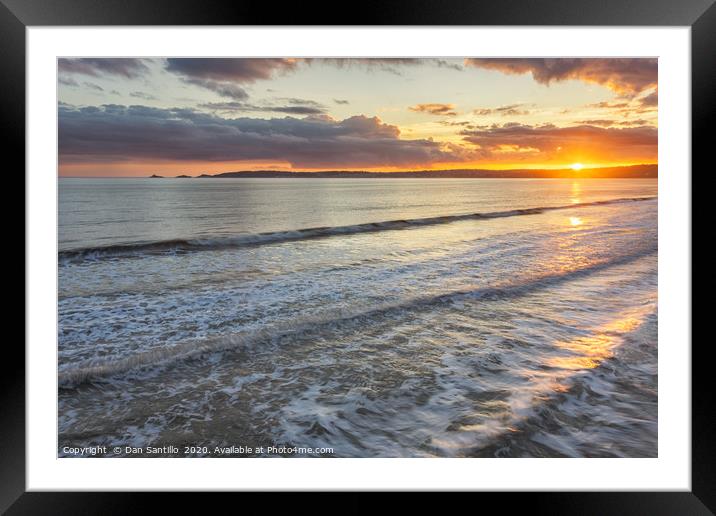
[93,370]
[258,239]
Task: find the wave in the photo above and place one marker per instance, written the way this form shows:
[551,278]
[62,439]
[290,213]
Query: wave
[258,239]
[556,417]
[92,370]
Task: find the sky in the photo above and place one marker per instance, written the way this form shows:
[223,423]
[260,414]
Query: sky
[172,116]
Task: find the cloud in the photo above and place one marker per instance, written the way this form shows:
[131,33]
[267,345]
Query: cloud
[126,67]
[450,123]
[223,89]
[650,100]
[67,81]
[300,102]
[114,133]
[638,122]
[224,75]
[509,110]
[600,122]
[627,76]
[435,109]
[551,142]
[609,105]
[341,101]
[386,64]
[142,95]
[608,122]
[297,108]
[238,70]
[645,104]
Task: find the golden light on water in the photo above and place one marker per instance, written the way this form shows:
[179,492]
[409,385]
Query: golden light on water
[590,351]
[575,221]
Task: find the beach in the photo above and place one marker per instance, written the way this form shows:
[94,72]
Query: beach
[353,317]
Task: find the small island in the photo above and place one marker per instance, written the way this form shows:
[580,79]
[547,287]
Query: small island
[155,176]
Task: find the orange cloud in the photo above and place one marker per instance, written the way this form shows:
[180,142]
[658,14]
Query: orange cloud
[548,143]
[435,109]
[509,110]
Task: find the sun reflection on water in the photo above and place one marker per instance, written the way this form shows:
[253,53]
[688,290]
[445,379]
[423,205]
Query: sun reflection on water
[590,351]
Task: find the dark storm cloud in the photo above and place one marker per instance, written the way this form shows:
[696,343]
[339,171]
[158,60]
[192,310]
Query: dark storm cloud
[435,109]
[126,67]
[113,133]
[628,76]
[549,139]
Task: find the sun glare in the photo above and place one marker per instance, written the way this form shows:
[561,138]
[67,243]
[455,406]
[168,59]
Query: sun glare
[577,166]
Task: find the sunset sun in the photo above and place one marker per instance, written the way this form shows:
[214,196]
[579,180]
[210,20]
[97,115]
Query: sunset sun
[576,166]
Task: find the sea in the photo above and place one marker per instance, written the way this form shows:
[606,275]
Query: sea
[344,317]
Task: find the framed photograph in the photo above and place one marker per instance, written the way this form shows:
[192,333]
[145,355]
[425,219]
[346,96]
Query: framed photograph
[442,248]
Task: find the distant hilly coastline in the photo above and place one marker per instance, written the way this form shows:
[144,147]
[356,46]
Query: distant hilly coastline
[634,171]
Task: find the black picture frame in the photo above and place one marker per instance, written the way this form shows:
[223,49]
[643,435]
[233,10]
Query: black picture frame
[700,15]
